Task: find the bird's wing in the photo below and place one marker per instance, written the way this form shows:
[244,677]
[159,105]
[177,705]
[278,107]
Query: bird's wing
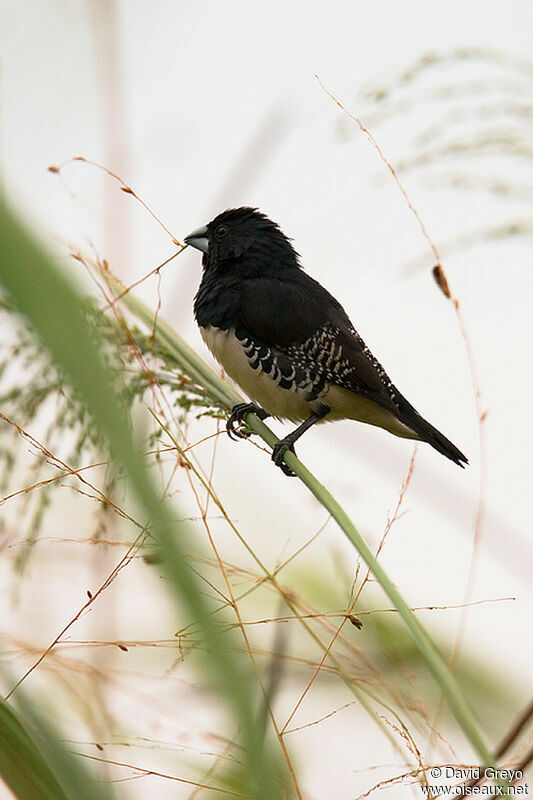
[302,325]
[301,319]
[281,312]
[362,373]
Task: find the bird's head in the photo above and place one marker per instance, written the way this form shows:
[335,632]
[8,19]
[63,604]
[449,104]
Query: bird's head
[243,239]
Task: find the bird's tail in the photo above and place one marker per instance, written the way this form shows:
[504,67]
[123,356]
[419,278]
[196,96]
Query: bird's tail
[427,433]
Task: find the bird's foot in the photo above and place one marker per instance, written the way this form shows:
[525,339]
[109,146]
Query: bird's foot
[280,448]
[237,416]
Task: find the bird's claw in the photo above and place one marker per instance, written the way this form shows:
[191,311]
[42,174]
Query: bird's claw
[236,418]
[280,448]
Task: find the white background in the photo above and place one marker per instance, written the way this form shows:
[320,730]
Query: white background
[206,105]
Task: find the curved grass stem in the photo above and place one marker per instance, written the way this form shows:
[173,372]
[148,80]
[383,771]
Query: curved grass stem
[223,394]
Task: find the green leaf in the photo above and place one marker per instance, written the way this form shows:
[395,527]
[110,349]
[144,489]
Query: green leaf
[23,766]
[55,309]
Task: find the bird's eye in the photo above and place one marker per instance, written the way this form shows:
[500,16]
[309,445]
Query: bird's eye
[221,231]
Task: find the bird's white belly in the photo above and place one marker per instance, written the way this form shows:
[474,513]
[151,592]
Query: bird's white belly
[291,403]
[259,386]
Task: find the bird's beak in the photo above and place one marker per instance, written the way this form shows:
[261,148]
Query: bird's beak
[198,239]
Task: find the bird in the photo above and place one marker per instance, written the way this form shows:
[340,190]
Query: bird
[287,342]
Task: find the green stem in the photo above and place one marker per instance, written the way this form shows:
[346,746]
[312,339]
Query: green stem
[222,393]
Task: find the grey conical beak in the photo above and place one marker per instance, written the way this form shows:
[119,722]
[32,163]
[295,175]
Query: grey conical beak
[198,239]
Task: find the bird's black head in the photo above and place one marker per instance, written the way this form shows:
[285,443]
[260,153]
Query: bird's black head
[243,240]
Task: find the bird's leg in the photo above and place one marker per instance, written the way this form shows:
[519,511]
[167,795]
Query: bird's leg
[288,442]
[237,416]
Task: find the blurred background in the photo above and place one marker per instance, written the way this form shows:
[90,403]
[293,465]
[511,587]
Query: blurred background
[204,106]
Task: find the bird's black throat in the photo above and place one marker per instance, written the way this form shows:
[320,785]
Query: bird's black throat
[217,300]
